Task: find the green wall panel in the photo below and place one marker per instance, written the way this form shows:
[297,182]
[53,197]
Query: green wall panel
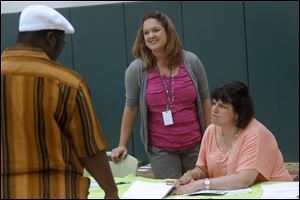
[273,51]
[100,58]
[133,15]
[9,30]
[214,31]
[66,56]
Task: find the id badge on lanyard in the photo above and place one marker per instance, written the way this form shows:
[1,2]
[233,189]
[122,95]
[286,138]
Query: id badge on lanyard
[167,117]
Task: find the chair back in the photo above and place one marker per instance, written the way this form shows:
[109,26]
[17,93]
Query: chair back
[125,167]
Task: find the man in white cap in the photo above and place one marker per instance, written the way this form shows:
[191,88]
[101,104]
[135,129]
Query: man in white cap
[49,129]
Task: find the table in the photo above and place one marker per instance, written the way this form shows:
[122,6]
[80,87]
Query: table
[97,193]
[293,168]
[145,171]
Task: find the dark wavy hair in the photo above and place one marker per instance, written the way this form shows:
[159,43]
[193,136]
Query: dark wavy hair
[237,94]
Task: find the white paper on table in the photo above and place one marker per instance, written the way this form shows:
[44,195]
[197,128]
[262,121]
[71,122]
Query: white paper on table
[288,190]
[148,166]
[221,191]
[238,191]
[142,170]
[94,184]
[147,190]
[207,192]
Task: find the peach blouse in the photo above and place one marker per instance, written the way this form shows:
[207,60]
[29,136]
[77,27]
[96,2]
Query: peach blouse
[256,148]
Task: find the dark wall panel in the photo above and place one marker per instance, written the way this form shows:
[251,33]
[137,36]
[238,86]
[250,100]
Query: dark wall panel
[100,57]
[214,31]
[273,48]
[66,56]
[9,30]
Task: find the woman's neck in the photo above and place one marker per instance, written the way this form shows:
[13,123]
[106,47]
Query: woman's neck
[230,132]
[159,54]
[162,64]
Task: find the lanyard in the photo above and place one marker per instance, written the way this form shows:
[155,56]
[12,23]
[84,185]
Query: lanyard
[169,89]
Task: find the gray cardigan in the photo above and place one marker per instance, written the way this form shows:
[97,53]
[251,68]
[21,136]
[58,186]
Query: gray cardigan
[136,85]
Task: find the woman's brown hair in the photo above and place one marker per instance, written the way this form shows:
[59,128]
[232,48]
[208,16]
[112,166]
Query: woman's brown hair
[173,47]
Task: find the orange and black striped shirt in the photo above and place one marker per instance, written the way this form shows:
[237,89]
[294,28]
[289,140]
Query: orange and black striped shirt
[47,124]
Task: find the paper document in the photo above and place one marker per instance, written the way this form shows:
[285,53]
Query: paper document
[147,190]
[148,166]
[289,190]
[94,184]
[207,192]
[215,192]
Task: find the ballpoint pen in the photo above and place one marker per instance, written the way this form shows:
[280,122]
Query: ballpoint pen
[122,182]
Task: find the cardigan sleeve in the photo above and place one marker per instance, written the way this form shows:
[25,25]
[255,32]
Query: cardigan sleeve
[199,73]
[133,83]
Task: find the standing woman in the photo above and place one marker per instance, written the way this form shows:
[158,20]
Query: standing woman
[170,88]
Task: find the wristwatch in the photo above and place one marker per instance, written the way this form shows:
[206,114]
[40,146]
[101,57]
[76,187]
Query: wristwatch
[206,183]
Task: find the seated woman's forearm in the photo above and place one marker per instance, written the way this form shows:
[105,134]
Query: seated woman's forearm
[242,179]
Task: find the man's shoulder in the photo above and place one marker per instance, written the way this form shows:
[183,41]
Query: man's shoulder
[64,75]
[35,62]
[67,70]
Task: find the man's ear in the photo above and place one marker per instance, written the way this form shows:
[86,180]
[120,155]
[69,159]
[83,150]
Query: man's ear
[50,45]
[50,39]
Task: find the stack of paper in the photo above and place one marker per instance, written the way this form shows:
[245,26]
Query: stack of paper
[214,192]
[289,190]
[144,168]
[147,190]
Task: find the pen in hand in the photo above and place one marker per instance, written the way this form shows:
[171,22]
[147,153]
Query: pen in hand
[122,182]
[173,182]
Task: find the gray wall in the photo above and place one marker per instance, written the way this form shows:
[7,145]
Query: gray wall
[254,42]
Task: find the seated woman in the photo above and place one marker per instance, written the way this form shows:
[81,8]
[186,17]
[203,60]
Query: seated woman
[237,150]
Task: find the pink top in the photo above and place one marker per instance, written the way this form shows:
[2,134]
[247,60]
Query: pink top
[185,132]
[256,148]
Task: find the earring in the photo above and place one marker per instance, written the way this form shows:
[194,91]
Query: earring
[236,117]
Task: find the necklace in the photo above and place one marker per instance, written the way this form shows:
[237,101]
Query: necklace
[222,146]
[235,134]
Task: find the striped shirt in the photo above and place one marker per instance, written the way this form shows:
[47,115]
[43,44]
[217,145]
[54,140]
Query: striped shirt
[47,124]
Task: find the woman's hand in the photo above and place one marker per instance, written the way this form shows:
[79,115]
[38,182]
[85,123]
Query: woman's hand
[187,188]
[119,153]
[185,179]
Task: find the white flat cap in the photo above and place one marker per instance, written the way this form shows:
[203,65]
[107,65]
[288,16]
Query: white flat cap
[39,17]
